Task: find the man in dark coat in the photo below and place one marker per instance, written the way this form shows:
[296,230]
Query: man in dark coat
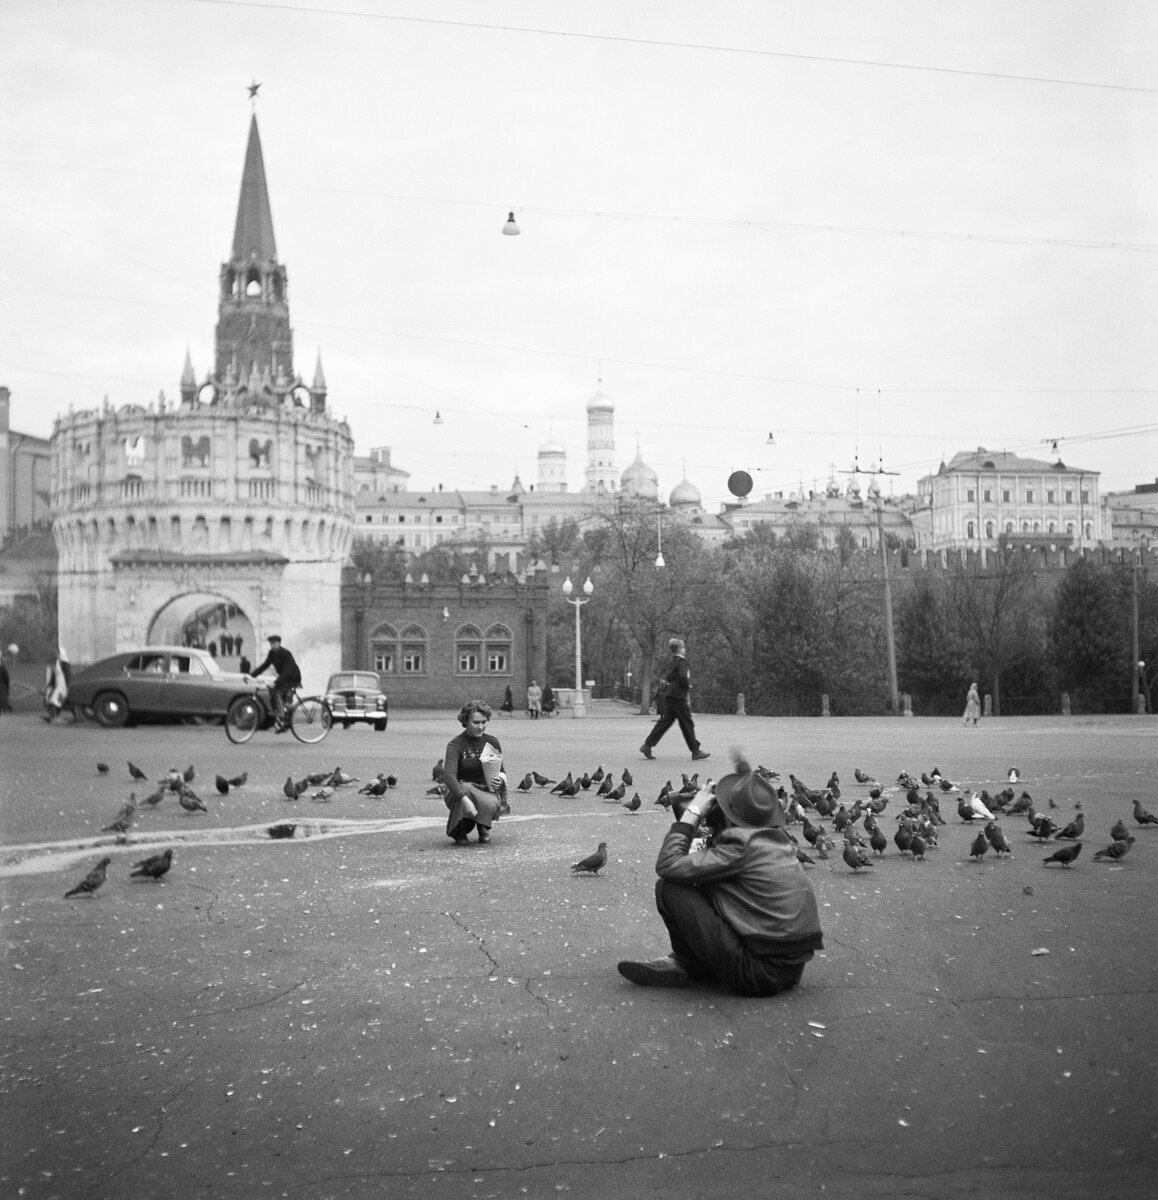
[288,677]
[678,681]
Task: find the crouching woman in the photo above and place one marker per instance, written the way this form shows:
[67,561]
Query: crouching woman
[474,786]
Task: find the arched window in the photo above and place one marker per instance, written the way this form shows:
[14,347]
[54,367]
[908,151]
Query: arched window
[989,530]
[498,650]
[970,530]
[467,650]
[414,649]
[384,649]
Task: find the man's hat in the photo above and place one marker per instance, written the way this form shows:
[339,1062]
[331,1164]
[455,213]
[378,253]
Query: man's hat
[749,799]
[273,637]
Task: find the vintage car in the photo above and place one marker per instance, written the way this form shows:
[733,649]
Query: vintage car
[169,682]
[357,696]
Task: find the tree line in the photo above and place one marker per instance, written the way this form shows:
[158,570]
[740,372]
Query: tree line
[786,620]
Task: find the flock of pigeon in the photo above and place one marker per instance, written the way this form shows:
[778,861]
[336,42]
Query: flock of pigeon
[918,821]
[857,824]
[179,784]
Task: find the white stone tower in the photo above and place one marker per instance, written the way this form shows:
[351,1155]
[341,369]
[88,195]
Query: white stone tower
[222,519]
[600,475]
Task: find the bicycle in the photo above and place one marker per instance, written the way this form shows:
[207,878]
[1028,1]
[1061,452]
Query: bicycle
[308,718]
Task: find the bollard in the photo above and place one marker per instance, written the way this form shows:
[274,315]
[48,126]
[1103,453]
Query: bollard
[824,705]
[987,708]
[1065,704]
[740,705]
[907,704]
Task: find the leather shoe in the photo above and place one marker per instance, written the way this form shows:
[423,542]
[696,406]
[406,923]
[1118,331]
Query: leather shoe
[484,835]
[659,972]
[701,754]
[645,750]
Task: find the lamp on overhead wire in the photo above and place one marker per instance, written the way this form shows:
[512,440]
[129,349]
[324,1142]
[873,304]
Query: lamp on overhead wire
[659,542]
[511,228]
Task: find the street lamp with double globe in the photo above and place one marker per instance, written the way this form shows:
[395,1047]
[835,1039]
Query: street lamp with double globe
[579,709]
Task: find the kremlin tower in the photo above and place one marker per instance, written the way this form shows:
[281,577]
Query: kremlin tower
[224,518]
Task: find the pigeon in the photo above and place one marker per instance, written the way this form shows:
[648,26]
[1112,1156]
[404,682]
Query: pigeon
[323,793]
[584,781]
[861,777]
[840,819]
[1118,831]
[833,785]
[91,881]
[598,774]
[188,773]
[541,780]
[1043,828]
[1074,829]
[526,783]
[1014,775]
[878,841]
[1023,803]
[289,789]
[1065,855]
[1118,848]
[997,839]
[190,801]
[803,858]
[625,778]
[903,837]
[154,867]
[569,789]
[980,846]
[563,784]
[283,829]
[172,779]
[222,785]
[917,847]
[376,787]
[605,784]
[633,804]
[239,780]
[102,768]
[155,798]
[121,822]
[436,771]
[136,773]
[593,863]
[855,856]
[1142,816]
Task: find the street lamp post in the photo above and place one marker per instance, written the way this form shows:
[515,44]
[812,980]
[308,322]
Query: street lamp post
[579,709]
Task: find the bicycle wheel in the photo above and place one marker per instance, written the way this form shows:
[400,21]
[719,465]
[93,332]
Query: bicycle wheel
[310,719]
[242,719]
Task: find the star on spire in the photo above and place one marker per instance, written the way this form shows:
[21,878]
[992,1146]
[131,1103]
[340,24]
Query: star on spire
[253,89]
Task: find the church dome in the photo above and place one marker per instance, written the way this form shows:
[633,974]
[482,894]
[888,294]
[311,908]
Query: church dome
[685,494]
[552,447]
[640,480]
[600,402]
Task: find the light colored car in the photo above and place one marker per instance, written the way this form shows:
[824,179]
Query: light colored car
[357,696]
[157,682]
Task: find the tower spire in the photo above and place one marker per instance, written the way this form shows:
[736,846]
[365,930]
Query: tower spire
[253,232]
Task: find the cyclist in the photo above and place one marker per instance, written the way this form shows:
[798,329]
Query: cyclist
[288,677]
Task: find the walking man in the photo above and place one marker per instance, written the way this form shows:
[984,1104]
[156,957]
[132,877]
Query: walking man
[678,682]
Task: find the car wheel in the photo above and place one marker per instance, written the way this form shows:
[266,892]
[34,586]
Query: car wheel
[380,726]
[111,709]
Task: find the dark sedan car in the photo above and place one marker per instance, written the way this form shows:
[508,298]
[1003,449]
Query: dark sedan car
[357,696]
[156,681]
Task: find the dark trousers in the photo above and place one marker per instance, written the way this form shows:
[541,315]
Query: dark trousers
[709,948]
[675,710]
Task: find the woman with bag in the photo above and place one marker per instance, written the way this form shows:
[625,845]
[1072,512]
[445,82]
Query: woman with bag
[475,787]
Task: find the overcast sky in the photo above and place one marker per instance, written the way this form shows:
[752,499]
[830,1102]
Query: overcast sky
[884,232]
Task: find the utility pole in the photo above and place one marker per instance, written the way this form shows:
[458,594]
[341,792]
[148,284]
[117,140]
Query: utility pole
[890,642]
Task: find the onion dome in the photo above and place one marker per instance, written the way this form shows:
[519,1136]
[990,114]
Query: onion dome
[640,480]
[686,495]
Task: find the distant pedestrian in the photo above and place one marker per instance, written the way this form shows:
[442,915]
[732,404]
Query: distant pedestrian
[244,666]
[548,700]
[534,701]
[56,676]
[972,704]
[5,688]
[677,683]
[508,704]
